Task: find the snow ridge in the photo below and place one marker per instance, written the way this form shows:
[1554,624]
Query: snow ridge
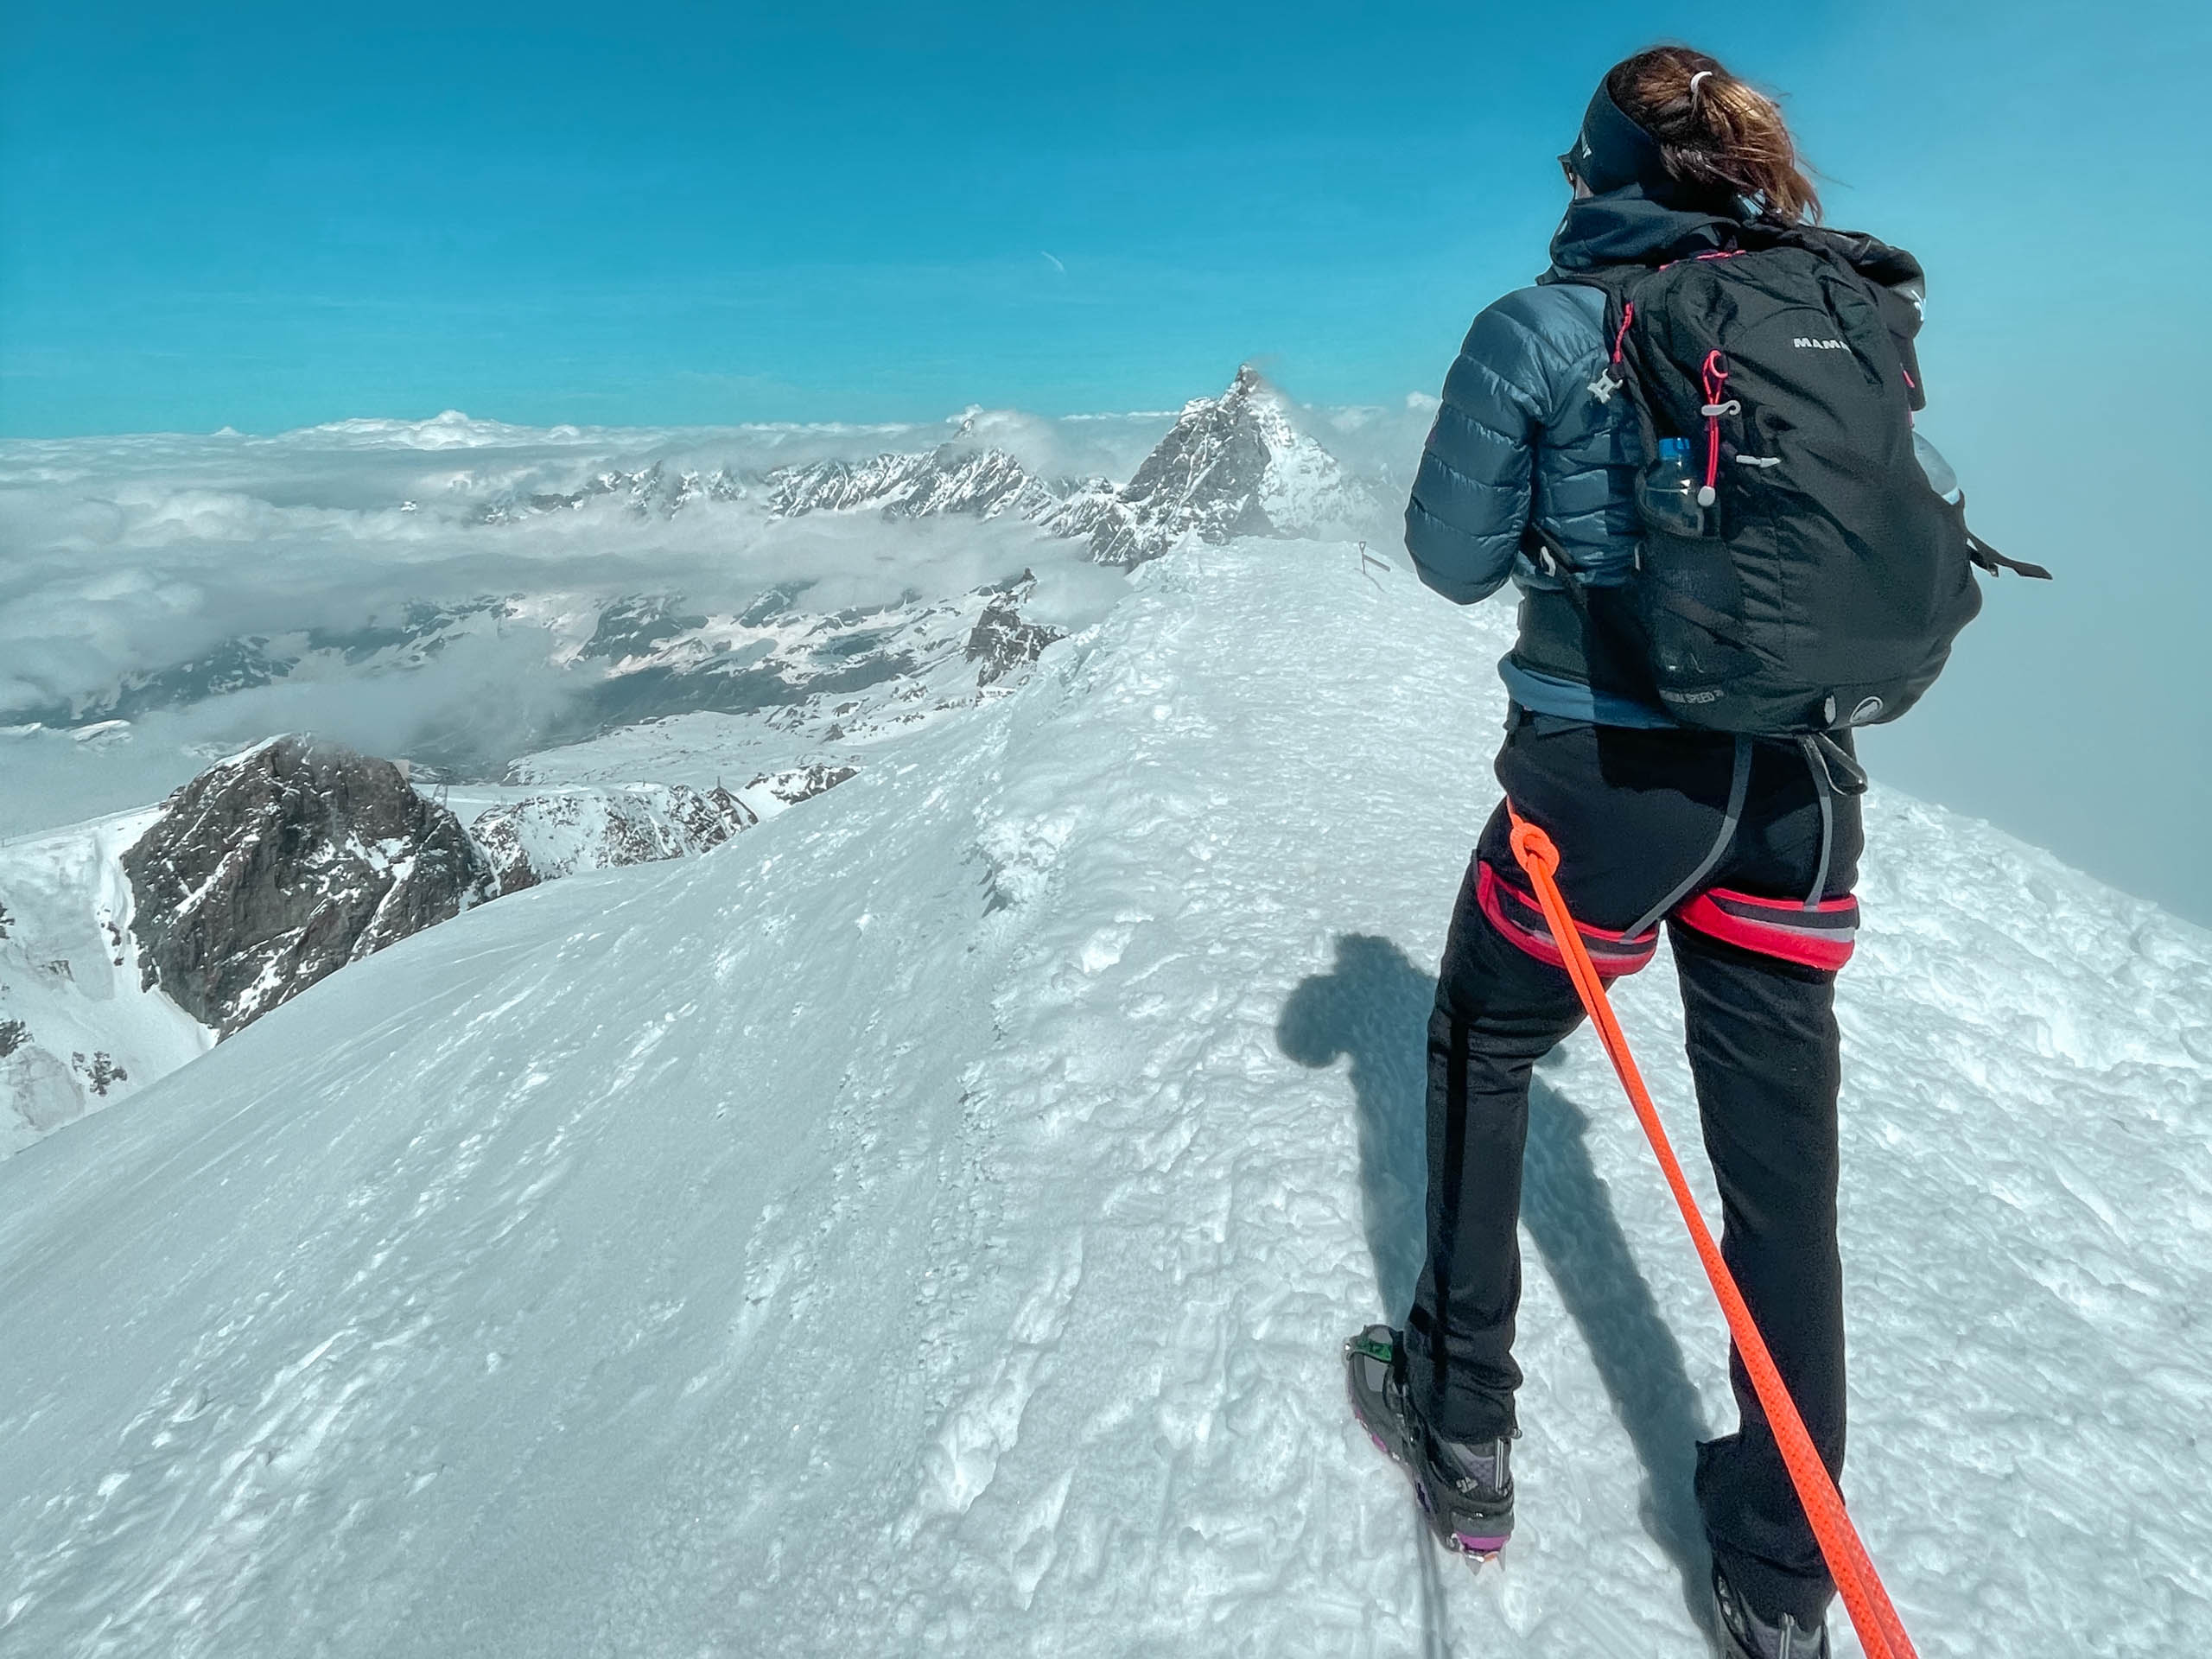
[544,837]
[974,1179]
[946,479]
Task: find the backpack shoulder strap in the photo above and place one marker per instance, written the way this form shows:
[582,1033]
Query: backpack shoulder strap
[1617,371]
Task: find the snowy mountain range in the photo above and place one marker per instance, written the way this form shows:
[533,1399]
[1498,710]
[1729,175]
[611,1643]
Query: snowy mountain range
[927,1221]
[1238,464]
[953,478]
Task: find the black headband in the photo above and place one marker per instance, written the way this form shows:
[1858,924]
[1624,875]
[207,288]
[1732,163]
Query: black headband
[1612,151]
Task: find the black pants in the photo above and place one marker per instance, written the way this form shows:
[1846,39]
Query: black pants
[1634,814]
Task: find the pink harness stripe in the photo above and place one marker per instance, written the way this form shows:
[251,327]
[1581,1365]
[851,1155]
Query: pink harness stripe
[1822,937]
[1517,915]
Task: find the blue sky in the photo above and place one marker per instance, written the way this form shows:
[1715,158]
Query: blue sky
[270,215]
[273,215]
[267,215]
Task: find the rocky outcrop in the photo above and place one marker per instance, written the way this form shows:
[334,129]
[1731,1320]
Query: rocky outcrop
[279,866]
[1001,641]
[416,635]
[796,783]
[547,836]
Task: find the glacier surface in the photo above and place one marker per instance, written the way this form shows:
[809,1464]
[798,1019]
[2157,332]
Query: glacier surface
[926,1224]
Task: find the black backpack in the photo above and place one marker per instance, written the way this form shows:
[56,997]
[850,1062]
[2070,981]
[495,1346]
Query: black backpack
[1821,579]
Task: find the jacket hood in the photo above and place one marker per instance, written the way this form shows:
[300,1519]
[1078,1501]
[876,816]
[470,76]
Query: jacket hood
[1627,227]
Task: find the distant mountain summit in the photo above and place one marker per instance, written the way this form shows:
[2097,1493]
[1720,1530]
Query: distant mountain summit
[1236,465]
[1239,464]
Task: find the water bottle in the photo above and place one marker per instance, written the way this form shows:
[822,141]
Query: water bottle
[1667,494]
[1941,478]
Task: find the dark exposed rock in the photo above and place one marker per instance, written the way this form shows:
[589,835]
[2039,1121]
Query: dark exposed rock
[1204,476]
[101,1072]
[711,818]
[247,662]
[277,867]
[1235,465]
[421,633]
[1002,642]
[236,664]
[778,602]
[14,1034]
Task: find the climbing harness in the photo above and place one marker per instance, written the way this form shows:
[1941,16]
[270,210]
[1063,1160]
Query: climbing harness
[1880,1631]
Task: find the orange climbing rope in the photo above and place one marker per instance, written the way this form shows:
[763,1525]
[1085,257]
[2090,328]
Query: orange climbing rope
[1880,1632]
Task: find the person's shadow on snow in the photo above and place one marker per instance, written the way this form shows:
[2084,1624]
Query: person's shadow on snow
[1373,1006]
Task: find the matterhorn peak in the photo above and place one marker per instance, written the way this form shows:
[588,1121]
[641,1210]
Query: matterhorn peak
[1248,387]
[1238,464]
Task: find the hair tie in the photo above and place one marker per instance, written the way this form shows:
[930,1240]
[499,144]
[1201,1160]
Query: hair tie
[1695,79]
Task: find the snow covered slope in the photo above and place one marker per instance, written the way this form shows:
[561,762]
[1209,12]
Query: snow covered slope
[926,1224]
[78,1027]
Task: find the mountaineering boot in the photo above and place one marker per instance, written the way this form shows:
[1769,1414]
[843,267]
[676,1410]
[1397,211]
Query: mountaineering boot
[1466,1489]
[1750,1636]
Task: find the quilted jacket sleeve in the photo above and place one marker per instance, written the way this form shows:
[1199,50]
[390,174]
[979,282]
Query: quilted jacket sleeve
[1470,496]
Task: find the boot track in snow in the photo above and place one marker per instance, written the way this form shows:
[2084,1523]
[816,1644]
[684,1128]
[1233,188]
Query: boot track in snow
[973,1175]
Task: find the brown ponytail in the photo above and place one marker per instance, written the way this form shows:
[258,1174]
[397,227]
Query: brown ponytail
[1715,130]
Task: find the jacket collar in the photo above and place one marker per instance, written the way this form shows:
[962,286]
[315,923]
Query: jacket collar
[1627,227]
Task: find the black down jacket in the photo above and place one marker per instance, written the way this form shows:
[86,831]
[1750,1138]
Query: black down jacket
[1519,435]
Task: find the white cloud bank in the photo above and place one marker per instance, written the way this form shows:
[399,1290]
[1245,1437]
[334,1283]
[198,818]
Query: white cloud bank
[126,557]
